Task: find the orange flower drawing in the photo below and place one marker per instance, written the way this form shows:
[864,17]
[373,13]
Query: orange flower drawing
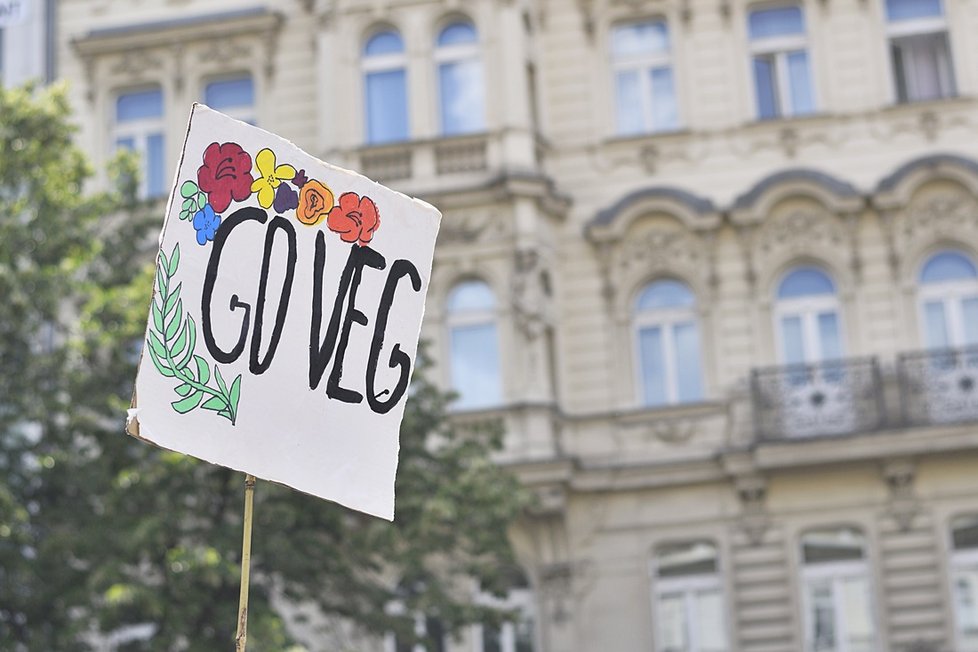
[315,200]
[355,219]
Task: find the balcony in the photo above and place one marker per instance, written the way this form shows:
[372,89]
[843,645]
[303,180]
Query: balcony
[836,397]
[939,386]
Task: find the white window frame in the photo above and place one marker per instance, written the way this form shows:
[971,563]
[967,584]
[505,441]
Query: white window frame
[927,26]
[644,63]
[778,48]
[688,586]
[420,629]
[140,131]
[519,600]
[666,319]
[951,294]
[836,572]
[458,53]
[244,112]
[808,309]
[468,318]
[373,63]
[965,559]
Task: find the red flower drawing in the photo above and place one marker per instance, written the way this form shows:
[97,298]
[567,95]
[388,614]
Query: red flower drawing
[355,219]
[225,175]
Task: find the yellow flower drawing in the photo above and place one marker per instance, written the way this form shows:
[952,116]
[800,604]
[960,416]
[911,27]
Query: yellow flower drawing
[269,177]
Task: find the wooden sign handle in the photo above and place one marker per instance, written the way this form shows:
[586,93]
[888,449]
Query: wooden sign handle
[241,638]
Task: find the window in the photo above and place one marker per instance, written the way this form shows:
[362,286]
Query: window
[473,346]
[428,629]
[139,128]
[385,88]
[688,599]
[668,344]
[838,615]
[234,96]
[779,54]
[949,300]
[919,50]
[460,84]
[964,581]
[807,316]
[645,96]
[515,635]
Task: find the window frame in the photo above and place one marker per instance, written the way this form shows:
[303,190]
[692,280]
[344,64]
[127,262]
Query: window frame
[469,318]
[644,64]
[836,572]
[688,586]
[140,130]
[951,295]
[906,29]
[959,559]
[808,308]
[520,600]
[378,63]
[778,49]
[458,53]
[243,112]
[666,319]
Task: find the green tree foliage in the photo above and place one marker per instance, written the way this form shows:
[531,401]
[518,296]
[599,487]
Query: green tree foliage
[104,536]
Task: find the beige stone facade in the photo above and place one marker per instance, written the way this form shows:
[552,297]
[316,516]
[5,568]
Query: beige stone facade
[566,221]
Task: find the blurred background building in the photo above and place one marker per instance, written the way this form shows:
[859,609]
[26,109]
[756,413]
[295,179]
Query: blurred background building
[712,262]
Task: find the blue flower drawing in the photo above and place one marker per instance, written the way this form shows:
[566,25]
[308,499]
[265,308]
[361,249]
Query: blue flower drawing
[206,223]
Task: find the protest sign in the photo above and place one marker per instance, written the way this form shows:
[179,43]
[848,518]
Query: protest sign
[284,325]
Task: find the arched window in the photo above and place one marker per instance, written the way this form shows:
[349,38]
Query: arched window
[949,300]
[838,614]
[462,102]
[668,344]
[807,317]
[234,96]
[385,87]
[688,599]
[964,580]
[473,345]
[138,126]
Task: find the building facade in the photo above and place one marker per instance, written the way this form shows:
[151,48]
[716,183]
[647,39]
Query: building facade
[713,263]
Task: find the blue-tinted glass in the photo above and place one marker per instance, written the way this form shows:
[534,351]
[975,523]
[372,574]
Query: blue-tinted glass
[127,144]
[909,9]
[665,294]
[764,85]
[805,282]
[802,101]
[688,371]
[782,21]
[457,33]
[155,176]
[388,42]
[653,366]
[229,93]
[948,266]
[475,365]
[470,296]
[969,313]
[139,106]
[935,325]
[639,38]
[665,114]
[628,102]
[828,335]
[387,119]
[462,97]
[793,342]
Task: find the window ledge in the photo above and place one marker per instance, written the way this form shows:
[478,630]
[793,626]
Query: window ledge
[645,137]
[917,105]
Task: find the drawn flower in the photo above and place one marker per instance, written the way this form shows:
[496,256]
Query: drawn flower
[285,198]
[315,200]
[206,223]
[300,179]
[269,177]
[225,175]
[355,219]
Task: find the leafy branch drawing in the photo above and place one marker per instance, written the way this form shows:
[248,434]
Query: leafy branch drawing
[194,200]
[172,340]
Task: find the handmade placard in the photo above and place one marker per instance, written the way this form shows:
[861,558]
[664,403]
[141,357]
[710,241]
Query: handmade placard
[285,317]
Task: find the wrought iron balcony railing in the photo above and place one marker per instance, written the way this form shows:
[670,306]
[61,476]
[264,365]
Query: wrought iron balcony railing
[939,386]
[835,397]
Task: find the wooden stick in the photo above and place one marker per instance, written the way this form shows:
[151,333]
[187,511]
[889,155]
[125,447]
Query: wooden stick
[241,638]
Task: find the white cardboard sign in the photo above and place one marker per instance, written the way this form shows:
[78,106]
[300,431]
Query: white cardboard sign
[285,319]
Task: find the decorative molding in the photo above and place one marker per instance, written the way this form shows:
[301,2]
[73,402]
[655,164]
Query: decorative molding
[899,475]
[469,228]
[754,521]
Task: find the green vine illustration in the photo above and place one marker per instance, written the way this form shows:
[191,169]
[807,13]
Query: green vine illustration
[172,340]
[194,200]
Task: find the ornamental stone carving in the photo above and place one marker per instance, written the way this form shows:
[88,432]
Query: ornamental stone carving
[948,214]
[658,250]
[801,232]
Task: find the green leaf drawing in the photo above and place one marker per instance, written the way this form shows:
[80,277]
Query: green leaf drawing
[172,341]
[193,200]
